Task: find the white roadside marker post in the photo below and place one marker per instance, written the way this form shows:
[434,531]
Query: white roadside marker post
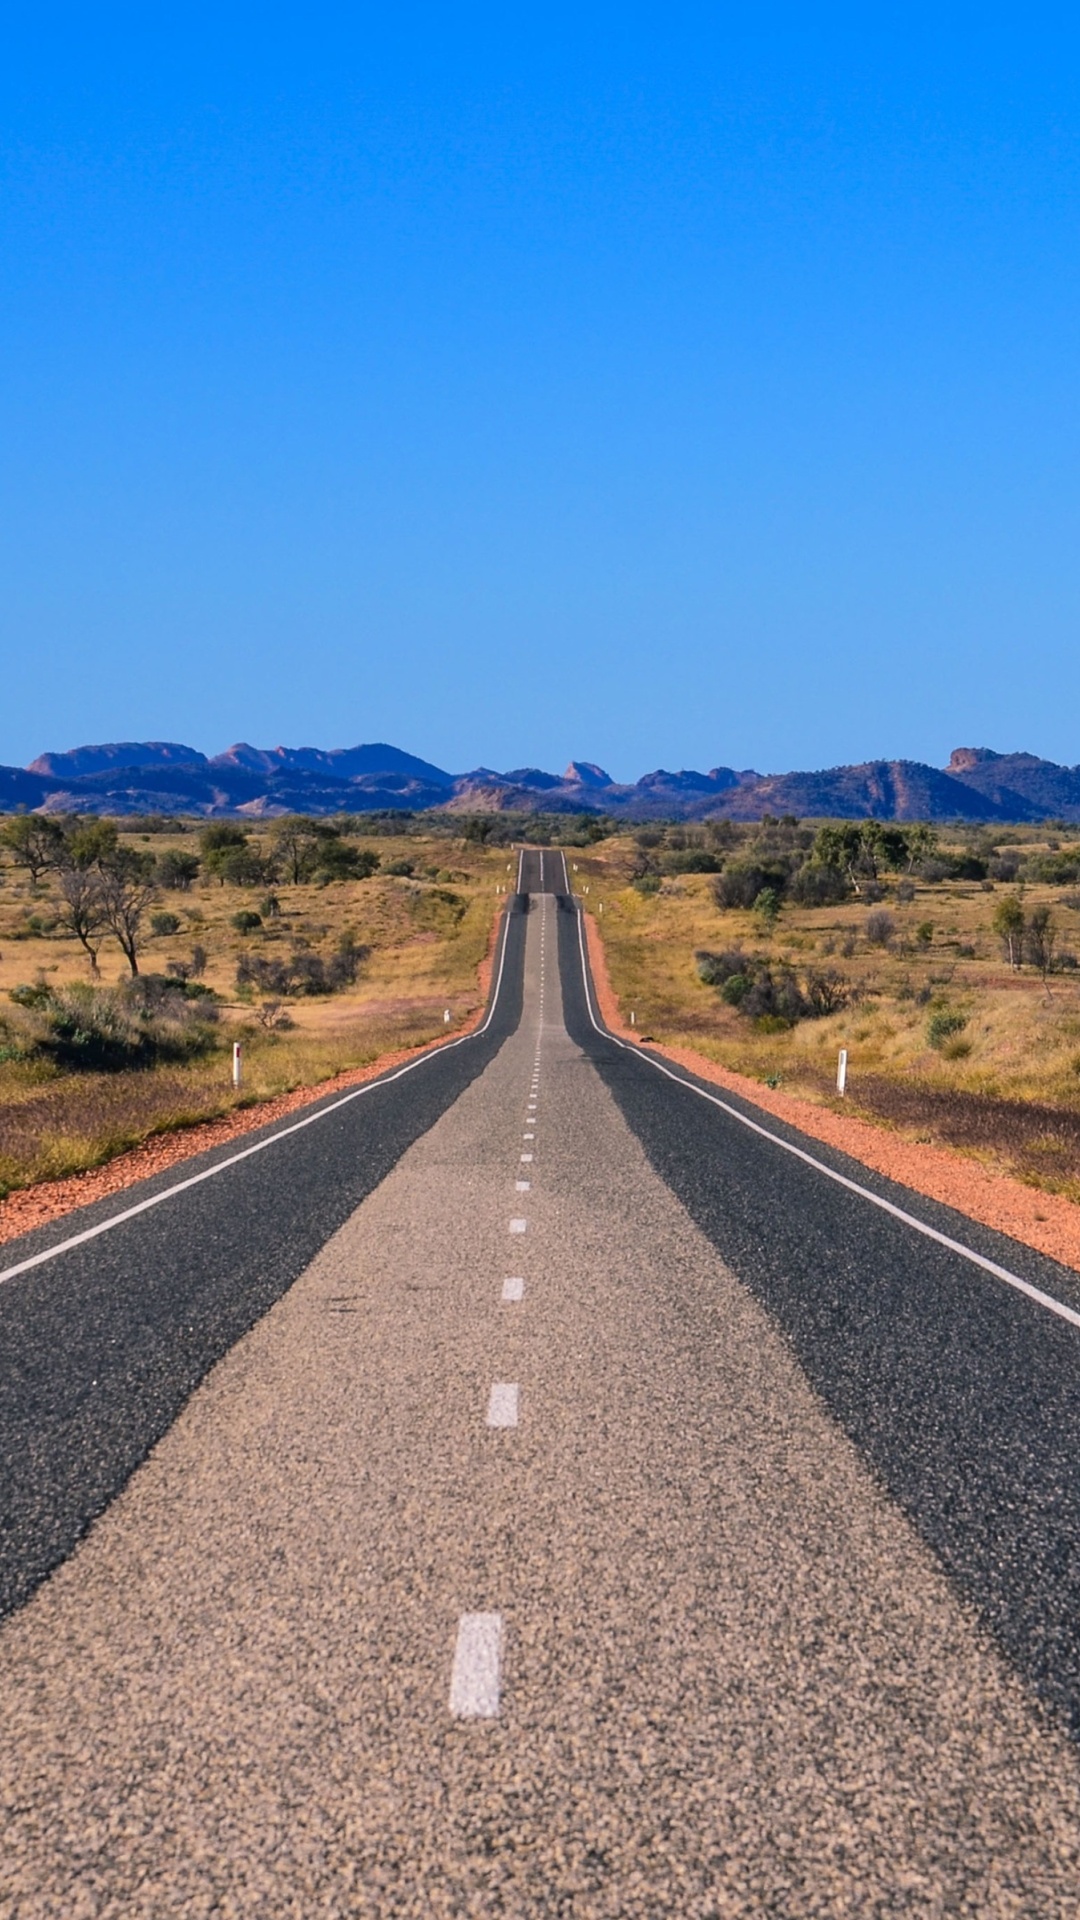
[237,1064]
[633,1018]
[446,1017]
[841,1072]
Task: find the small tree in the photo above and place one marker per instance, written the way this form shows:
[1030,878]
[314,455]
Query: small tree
[126,885]
[82,912]
[855,847]
[767,907]
[1009,926]
[922,843]
[228,854]
[296,849]
[1040,939]
[34,841]
[83,851]
[176,870]
[337,860]
[90,843]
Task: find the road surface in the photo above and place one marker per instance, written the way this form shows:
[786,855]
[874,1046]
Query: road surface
[532,1491]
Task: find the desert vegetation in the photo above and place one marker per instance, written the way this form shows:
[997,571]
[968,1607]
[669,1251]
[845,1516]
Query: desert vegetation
[134,952]
[945,960]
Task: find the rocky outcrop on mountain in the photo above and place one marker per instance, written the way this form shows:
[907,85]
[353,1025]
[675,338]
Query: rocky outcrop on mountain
[123,753]
[583,773]
[264,782]
[339,763]
[878,790]
[1019,785]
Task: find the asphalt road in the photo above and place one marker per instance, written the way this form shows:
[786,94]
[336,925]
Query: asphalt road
[573,1536]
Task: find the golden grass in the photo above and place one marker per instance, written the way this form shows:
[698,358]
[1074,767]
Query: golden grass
[1021,1043]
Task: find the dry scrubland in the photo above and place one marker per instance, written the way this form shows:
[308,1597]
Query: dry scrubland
[414,942]
[948,1042]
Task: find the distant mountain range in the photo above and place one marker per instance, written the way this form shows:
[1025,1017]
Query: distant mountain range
[164,776]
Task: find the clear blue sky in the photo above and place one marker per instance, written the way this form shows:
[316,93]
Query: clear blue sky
[661,385]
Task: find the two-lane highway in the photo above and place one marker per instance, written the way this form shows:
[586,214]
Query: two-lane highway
[573,1535]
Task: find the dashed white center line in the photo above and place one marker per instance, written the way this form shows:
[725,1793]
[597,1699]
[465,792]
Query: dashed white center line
[518,1226]
[526,1157]
[528,1136]
[513,1289]
[474,1682]
[503,1404]
[523,1186]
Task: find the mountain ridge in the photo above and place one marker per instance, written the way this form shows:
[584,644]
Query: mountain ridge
[128,777]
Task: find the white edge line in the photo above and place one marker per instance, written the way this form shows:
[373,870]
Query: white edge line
[876,1200]
[297,1126]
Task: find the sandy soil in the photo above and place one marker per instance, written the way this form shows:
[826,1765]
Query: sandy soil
[1045,1221]
[35,1206]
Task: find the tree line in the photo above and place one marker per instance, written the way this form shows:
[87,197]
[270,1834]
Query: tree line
[105,886]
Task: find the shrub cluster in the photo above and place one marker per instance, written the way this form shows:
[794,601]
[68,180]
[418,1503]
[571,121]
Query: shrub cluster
[303,849]
[304,971]
[786,862]
[150,1019]
[771,994]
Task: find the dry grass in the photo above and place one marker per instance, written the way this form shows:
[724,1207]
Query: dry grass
[427,936]
[1007,1088]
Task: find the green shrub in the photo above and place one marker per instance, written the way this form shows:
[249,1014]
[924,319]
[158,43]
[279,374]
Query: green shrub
[30,996]
[1056,869]
[714,968]
[246,920]
[229,856]
[740,884]
[942,1025]
[817,885]
[164,923]
[694,860]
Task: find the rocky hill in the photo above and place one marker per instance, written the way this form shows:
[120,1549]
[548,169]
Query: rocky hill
[167,777]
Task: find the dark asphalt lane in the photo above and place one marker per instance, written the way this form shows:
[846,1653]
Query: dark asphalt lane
[101,1346]
[541,870]
[962,1394]
[537,871]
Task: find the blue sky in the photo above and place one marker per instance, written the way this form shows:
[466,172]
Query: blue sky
[655,385]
